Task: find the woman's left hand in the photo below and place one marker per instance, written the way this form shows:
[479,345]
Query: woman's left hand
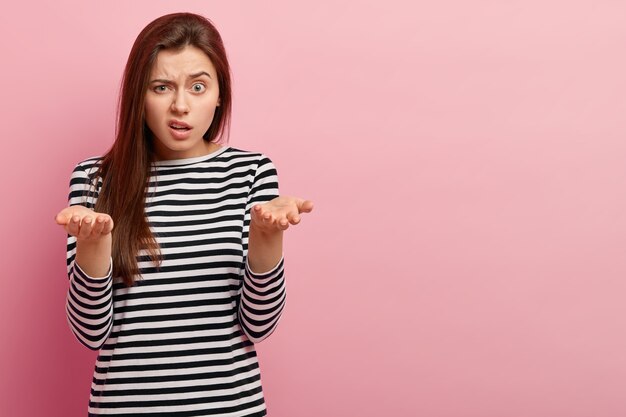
[279,213]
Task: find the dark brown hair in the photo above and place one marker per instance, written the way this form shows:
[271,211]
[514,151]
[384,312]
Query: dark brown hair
[125,168]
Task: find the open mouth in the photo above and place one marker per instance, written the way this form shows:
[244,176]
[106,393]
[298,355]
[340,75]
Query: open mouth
[178,127]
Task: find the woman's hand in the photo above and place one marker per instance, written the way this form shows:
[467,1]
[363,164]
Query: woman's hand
[93,238]
[83,223]
[279,213]
[267,222]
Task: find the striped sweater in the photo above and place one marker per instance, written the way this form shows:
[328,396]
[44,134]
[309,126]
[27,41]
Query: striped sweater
[180,342]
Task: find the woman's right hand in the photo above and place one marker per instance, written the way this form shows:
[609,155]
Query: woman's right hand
[83,223]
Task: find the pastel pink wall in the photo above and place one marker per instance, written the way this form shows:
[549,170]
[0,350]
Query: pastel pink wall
[467,253]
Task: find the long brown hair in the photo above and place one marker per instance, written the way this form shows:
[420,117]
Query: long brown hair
[125,168]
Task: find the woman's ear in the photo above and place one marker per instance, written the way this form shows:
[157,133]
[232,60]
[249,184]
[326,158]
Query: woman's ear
[219,101]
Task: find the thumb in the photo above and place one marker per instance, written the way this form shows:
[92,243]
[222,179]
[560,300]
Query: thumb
[305,206]
[62,218]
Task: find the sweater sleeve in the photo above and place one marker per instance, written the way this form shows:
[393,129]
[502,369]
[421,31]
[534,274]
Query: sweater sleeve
[89,302]
[263,292]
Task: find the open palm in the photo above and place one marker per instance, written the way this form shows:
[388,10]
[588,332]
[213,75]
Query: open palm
[279,213]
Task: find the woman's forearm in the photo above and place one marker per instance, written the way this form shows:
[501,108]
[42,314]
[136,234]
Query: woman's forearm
[264,249]
[94,256]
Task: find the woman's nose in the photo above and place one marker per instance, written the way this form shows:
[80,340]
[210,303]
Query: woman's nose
[180,105]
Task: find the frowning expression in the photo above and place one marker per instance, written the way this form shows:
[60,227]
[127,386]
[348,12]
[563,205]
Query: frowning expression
[180,103]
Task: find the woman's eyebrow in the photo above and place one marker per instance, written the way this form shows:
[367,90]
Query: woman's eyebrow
[190,77]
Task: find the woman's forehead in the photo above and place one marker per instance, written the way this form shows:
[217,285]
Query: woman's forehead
[183,63]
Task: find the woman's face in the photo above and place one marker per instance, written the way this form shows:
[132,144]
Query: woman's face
[181,99]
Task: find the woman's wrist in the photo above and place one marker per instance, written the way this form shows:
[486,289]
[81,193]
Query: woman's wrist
[265,248]
[94,255]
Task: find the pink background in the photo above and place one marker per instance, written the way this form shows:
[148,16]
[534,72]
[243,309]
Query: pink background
[467,253]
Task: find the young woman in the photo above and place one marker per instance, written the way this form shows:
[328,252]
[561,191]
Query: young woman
[174,248]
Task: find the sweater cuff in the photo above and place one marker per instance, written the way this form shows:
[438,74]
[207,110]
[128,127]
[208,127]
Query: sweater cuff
[94,280]
[265,276]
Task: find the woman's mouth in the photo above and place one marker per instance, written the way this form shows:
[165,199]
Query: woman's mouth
[175,124]
[180,130]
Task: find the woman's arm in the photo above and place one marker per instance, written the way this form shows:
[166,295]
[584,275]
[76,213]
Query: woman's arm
[263,292]
[89,303]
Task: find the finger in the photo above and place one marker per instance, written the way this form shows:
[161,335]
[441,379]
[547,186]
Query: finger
[98,226]
[73,227]
[65,215]
[257,212]
[108,225]
[62,218]
[294,219]
[292,216]
[305,206]
[85,227]
[283,224]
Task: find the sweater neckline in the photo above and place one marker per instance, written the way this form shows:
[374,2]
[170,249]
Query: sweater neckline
[191,160]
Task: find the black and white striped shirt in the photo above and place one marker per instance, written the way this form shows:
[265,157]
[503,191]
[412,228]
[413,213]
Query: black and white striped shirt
[180,342]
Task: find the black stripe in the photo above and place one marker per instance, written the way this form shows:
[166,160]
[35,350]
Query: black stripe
[174,353]
[197,413]
[168,342]
[177,390]
[176,378]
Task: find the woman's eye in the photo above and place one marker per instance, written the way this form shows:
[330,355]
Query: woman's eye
[160,88]
[198,88]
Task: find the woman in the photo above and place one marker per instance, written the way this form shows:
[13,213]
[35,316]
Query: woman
[174,245]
